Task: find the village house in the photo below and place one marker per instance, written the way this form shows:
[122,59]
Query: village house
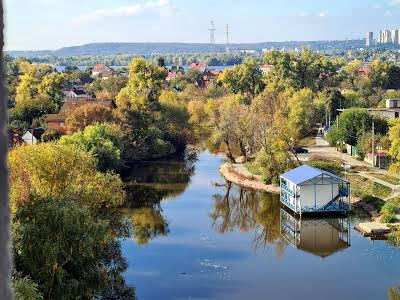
[33,136]
[310,190]
[208,77]
[75,93]
[57,121]
[364,72]
[198,66]
[266,68]
[107,74]
[170,76]
[100,68]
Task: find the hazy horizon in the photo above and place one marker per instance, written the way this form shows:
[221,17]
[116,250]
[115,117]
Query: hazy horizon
[53,24]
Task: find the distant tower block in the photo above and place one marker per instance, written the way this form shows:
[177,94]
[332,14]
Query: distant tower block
[227,32]
[212,30]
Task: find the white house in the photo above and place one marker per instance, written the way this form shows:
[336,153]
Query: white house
[32,136]
[310,190]
[75,94]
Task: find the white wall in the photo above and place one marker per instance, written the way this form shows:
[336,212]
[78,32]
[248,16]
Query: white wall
[325,193]
[29,138]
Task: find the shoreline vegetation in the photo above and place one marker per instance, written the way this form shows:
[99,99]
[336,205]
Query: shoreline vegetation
[232,174]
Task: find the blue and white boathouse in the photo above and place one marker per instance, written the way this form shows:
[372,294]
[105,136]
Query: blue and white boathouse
[310,190]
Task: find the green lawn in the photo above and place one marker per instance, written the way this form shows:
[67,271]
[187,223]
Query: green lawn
[395,201]
[387,178]
[363,187]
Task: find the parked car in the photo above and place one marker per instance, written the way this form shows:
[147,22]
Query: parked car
[301,150]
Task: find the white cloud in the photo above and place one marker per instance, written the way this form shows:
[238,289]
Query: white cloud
[321,14]
[394,2]
[125,11]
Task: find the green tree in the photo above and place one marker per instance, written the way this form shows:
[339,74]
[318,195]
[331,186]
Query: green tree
[301,112]
[394,151]
[101,141]
[174,119]
[352,124]
[245,79]
[144,85]
[63,248]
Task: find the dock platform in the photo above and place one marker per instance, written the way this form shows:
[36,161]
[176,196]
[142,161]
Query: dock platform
[373,229]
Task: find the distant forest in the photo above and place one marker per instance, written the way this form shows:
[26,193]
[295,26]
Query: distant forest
[177,48]
[120,54]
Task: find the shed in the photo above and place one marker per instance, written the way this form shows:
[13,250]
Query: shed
[310,190]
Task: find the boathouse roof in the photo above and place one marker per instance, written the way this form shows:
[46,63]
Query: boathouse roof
[305,173]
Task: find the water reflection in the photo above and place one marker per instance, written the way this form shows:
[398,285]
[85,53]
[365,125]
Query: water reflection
[147,184]
[394,293]
[321,237]
[245,210]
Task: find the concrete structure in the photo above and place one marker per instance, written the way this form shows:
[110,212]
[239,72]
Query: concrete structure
[395,36]
[310,190]
[370,39]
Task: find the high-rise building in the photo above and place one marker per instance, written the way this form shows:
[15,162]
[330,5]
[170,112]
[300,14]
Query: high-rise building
[380,40]
[370,39]
[395,36]
[387,37]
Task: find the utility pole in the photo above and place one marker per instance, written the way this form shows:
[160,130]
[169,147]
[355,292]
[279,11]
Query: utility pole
[373,143]
[212,30]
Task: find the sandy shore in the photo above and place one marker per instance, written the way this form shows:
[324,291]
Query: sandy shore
[231,173]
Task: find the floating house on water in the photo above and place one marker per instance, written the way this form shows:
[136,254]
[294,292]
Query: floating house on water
[310,190]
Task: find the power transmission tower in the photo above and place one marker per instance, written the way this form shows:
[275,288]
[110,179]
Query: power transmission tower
[227,32]
[212,30]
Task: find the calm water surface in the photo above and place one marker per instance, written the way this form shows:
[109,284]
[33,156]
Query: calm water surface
[194,239]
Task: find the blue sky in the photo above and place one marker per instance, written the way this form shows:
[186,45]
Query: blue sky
[51,24]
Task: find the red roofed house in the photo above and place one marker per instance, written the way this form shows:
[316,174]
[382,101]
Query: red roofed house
[171,75]
[208,77]
[364,72]
[99,69]
[57,121]
[198,66]
[266,68]
[107,74]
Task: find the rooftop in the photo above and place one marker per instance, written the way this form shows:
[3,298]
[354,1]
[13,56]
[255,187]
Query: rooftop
[305,173]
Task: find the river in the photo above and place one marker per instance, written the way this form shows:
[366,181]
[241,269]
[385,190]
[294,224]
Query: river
[194,239]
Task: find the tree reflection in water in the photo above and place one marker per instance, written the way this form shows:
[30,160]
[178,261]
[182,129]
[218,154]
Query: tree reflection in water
[149,183]
[249,211]
[394,293]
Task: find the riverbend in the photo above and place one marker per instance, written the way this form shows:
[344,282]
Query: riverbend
[199,237]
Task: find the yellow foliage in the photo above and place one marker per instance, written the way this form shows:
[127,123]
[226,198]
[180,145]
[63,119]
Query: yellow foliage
[55,171]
